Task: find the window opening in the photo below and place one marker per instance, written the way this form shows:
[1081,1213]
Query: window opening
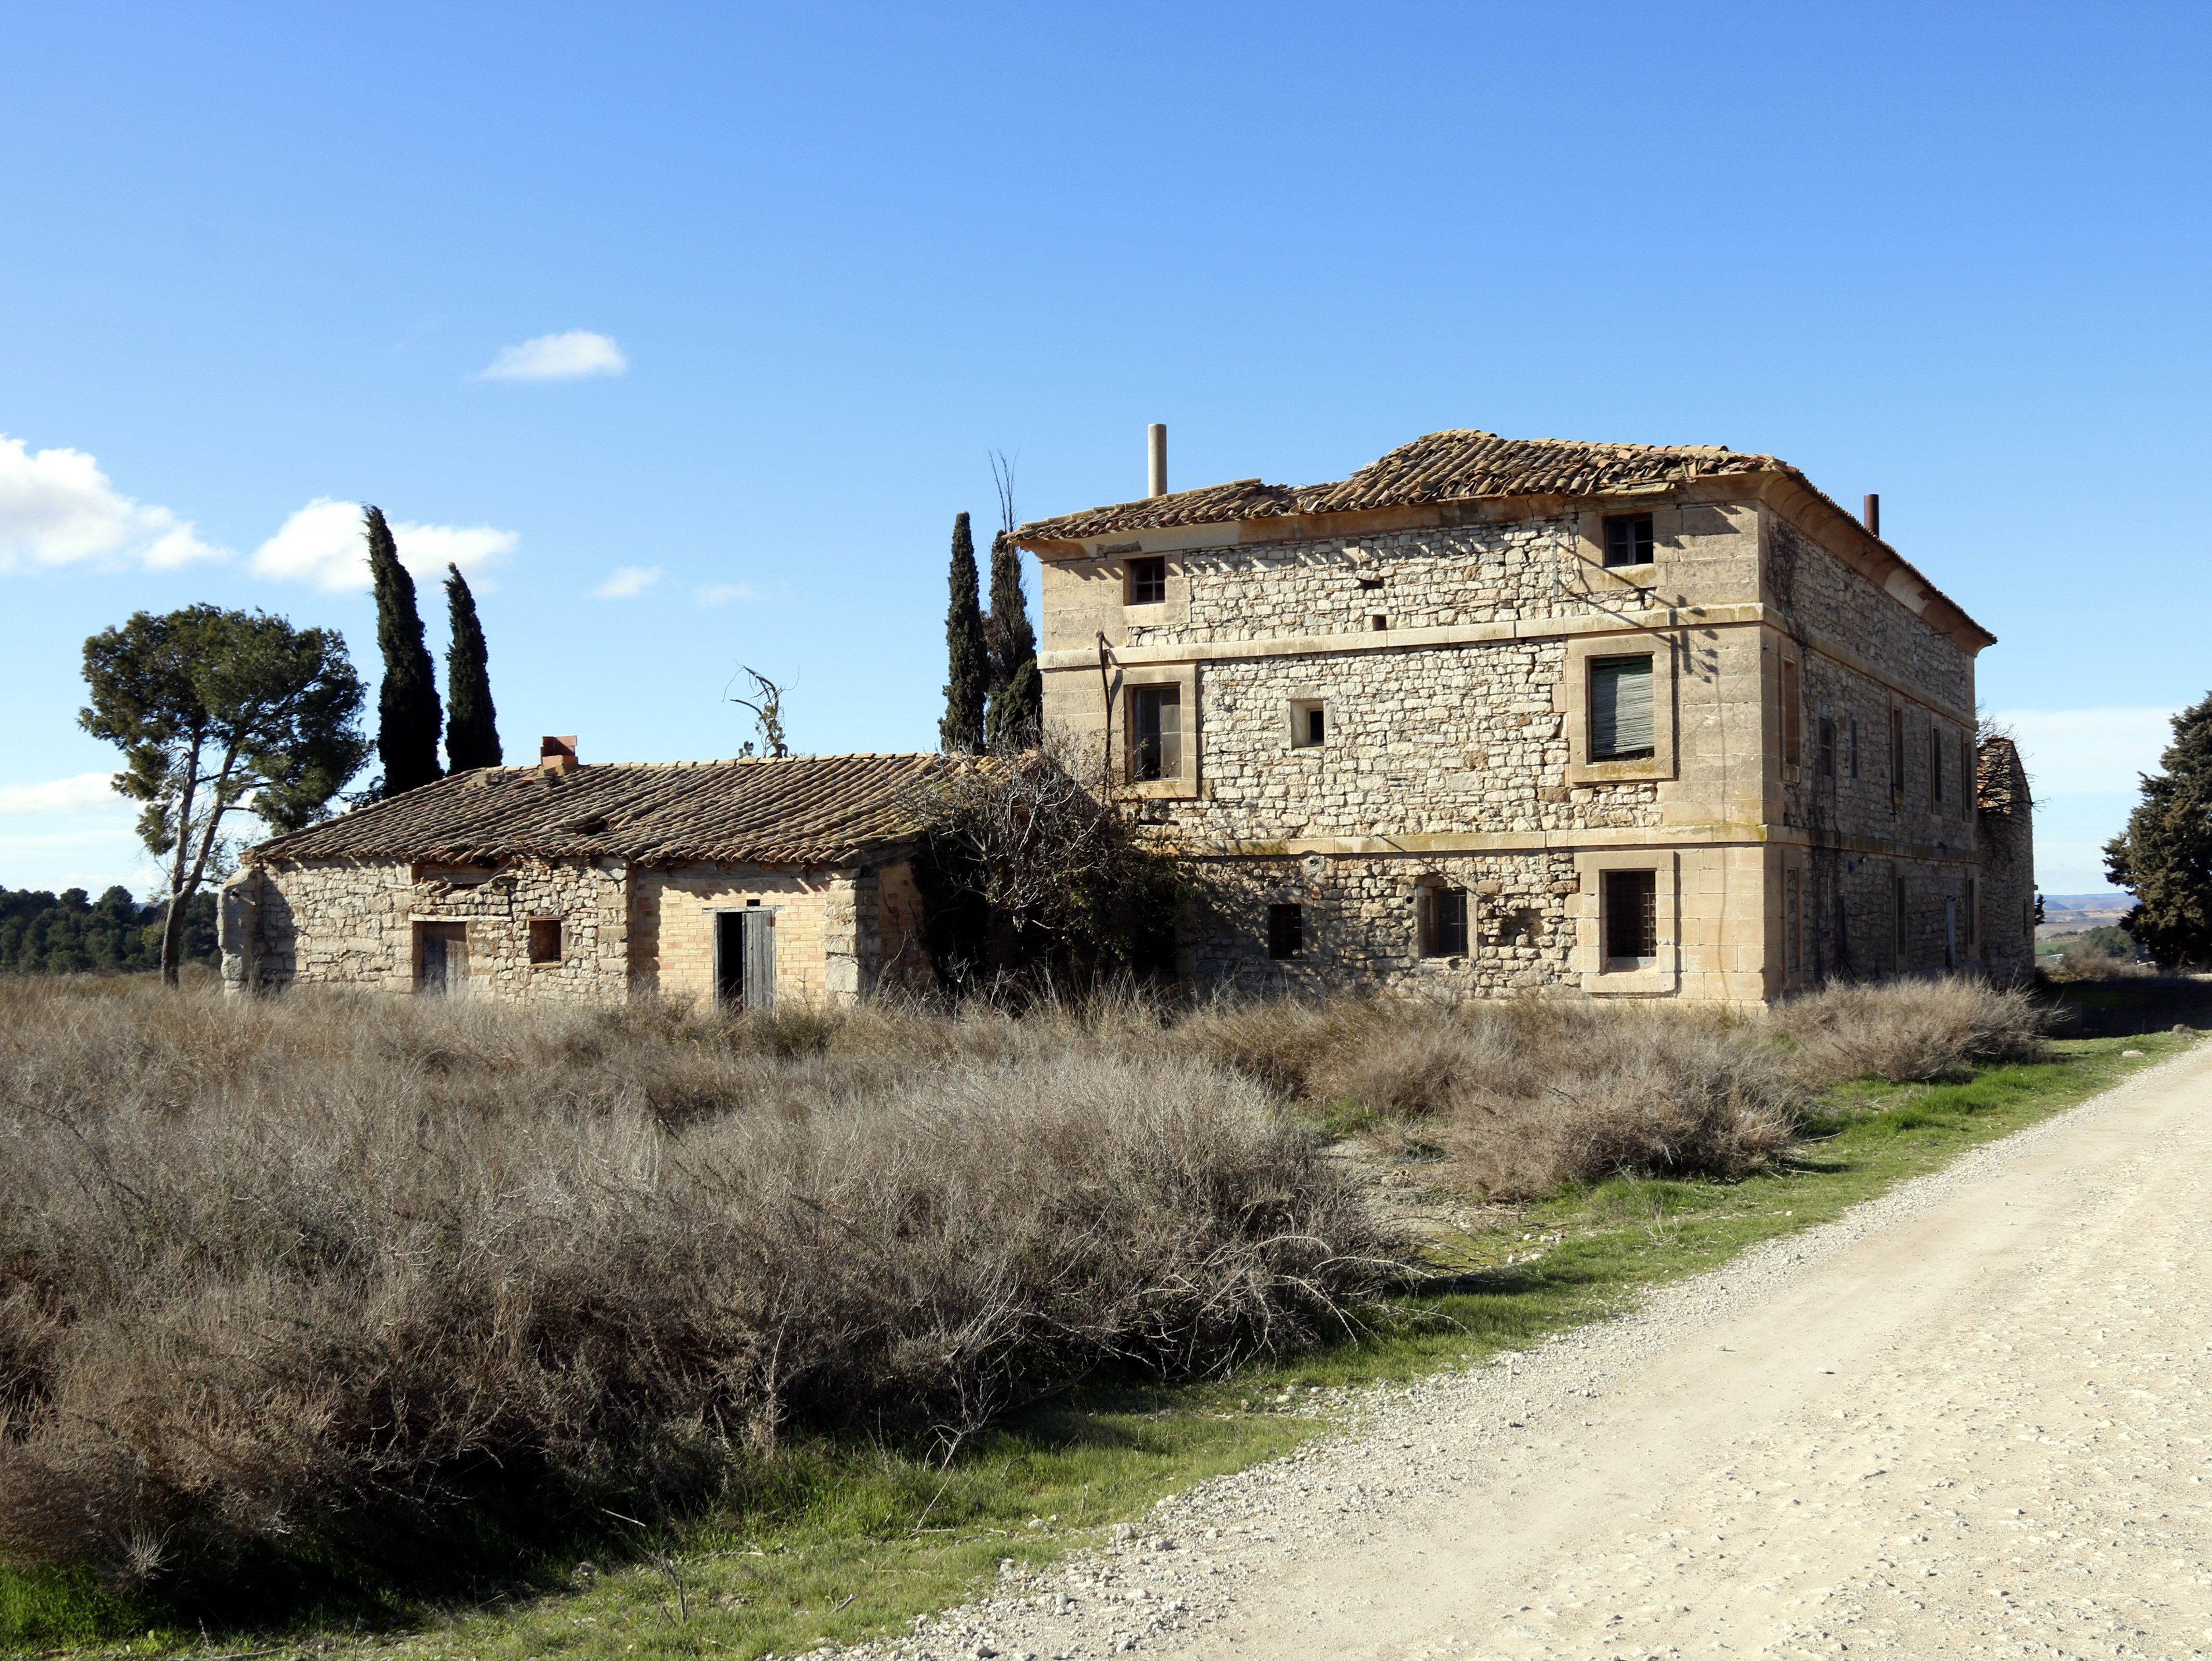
[1897,918]
[1793,715]
[1974,916]
[1518,929]
[1792,935]
[1148,581]
[1379,622]
[1855,746]
[1966,774]
[1620,708]
[1308,723]
[1155,733]
[1444,923]
[1628,539]
[1827,747]
[1286,931]
[1896,758]
[1630,903]
[545,939]
[1934,771]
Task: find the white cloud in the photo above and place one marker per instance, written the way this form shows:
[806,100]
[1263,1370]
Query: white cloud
[57,507]
[2072,752]
[628,582]
[722,594]
[324,544]
[72,795]
[571,357]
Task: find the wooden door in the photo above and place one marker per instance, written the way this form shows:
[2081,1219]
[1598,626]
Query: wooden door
[745,959]
[441,963]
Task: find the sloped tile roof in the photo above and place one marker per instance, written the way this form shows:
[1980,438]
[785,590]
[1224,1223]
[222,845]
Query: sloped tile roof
[1440,467]
[809,810]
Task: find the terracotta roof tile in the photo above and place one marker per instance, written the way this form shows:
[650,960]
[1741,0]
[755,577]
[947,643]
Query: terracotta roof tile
[1440,467]
[810,810]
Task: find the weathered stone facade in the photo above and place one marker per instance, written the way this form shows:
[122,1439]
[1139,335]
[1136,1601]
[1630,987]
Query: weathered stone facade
[1384,687]
[584,884]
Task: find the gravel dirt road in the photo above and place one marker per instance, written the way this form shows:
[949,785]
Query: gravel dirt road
[1969,1419]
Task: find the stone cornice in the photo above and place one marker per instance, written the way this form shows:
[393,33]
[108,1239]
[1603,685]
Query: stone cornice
[1715,835]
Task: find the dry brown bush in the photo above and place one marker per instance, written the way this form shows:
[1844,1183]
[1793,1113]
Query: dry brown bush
[2086,961]
[265,1265]
[1524,1094]
[1908,1030]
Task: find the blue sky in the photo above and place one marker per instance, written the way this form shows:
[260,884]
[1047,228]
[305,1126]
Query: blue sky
[805,267]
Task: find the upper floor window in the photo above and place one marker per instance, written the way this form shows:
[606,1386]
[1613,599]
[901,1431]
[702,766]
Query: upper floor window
[1620,708]
[1855,746]
[1827,747]
[1155,733]
[1444,923]
[1935,769]
[1147,583]
[1628,539]
[1308,723]
[1896,756]
[1793,715]
[1966,774]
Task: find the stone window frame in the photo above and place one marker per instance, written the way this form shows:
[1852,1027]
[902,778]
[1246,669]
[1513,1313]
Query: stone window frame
[1790,713]
[1589,539]
[1174,609]
[537,930]
[1661,763]
[1297,708]
[1183,676]
[1664,978]
[1427,887]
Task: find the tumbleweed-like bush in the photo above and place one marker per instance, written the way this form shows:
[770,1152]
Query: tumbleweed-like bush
[267,1265]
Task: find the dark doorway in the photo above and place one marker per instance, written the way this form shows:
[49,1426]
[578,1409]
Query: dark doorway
[745,959]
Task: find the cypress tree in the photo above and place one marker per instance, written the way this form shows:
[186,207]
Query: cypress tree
[407,702]
[968,656]
[471,724]
[1016,692]
[2164,858]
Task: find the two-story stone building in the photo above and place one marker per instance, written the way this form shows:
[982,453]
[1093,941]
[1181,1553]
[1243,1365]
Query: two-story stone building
[1499,714]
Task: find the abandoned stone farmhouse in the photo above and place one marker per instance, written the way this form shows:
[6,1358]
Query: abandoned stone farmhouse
[745,883]
[1498,713]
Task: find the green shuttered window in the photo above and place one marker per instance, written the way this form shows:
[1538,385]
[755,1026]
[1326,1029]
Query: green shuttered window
[1620,708]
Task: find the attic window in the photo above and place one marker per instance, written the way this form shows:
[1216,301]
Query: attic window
[1628,539]
[1147,583]
[545,939]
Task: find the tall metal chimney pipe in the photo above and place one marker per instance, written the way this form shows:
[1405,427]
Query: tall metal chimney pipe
[1156,451]
[1873,515]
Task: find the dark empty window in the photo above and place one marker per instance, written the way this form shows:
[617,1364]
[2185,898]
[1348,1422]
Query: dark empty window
[1827,747]
[1379,622]
[1148,581]
[1308,723]
[1620,708]
[1855,746]
[545,939]
[1793,715]
[1935,769]
[1630,900]
[1896,755]
[1966,774]
[1444,923]
[1155,733]
[1286,931]
[1628,539]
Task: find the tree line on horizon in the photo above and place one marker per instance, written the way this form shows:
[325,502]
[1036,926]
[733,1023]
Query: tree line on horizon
[42,932]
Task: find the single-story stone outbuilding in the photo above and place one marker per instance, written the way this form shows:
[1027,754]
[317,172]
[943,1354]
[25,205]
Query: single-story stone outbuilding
[739,882]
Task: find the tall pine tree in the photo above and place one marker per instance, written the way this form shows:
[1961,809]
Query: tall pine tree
[407,702]
[2164,858]
[471,724]
[1016,692]
[968,655]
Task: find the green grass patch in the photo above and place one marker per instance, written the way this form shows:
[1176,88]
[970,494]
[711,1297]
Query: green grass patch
[839,1540]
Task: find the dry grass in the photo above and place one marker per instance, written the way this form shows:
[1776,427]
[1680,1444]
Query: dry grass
[267,1266]
[1523,1095]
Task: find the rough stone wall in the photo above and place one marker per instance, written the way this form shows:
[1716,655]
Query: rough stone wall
[1424,579]
[1360,923]
[901,961]
[2008,866]
[1457,738]
[1863,804]
[347,923]
[1827,596]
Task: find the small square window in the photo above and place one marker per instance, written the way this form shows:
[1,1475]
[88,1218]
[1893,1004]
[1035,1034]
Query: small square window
[1518,929]
[545,939]
[1308,723]
[1286,931]
[1444,923]
[1379,622]
[1628,539]
[1148,581]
